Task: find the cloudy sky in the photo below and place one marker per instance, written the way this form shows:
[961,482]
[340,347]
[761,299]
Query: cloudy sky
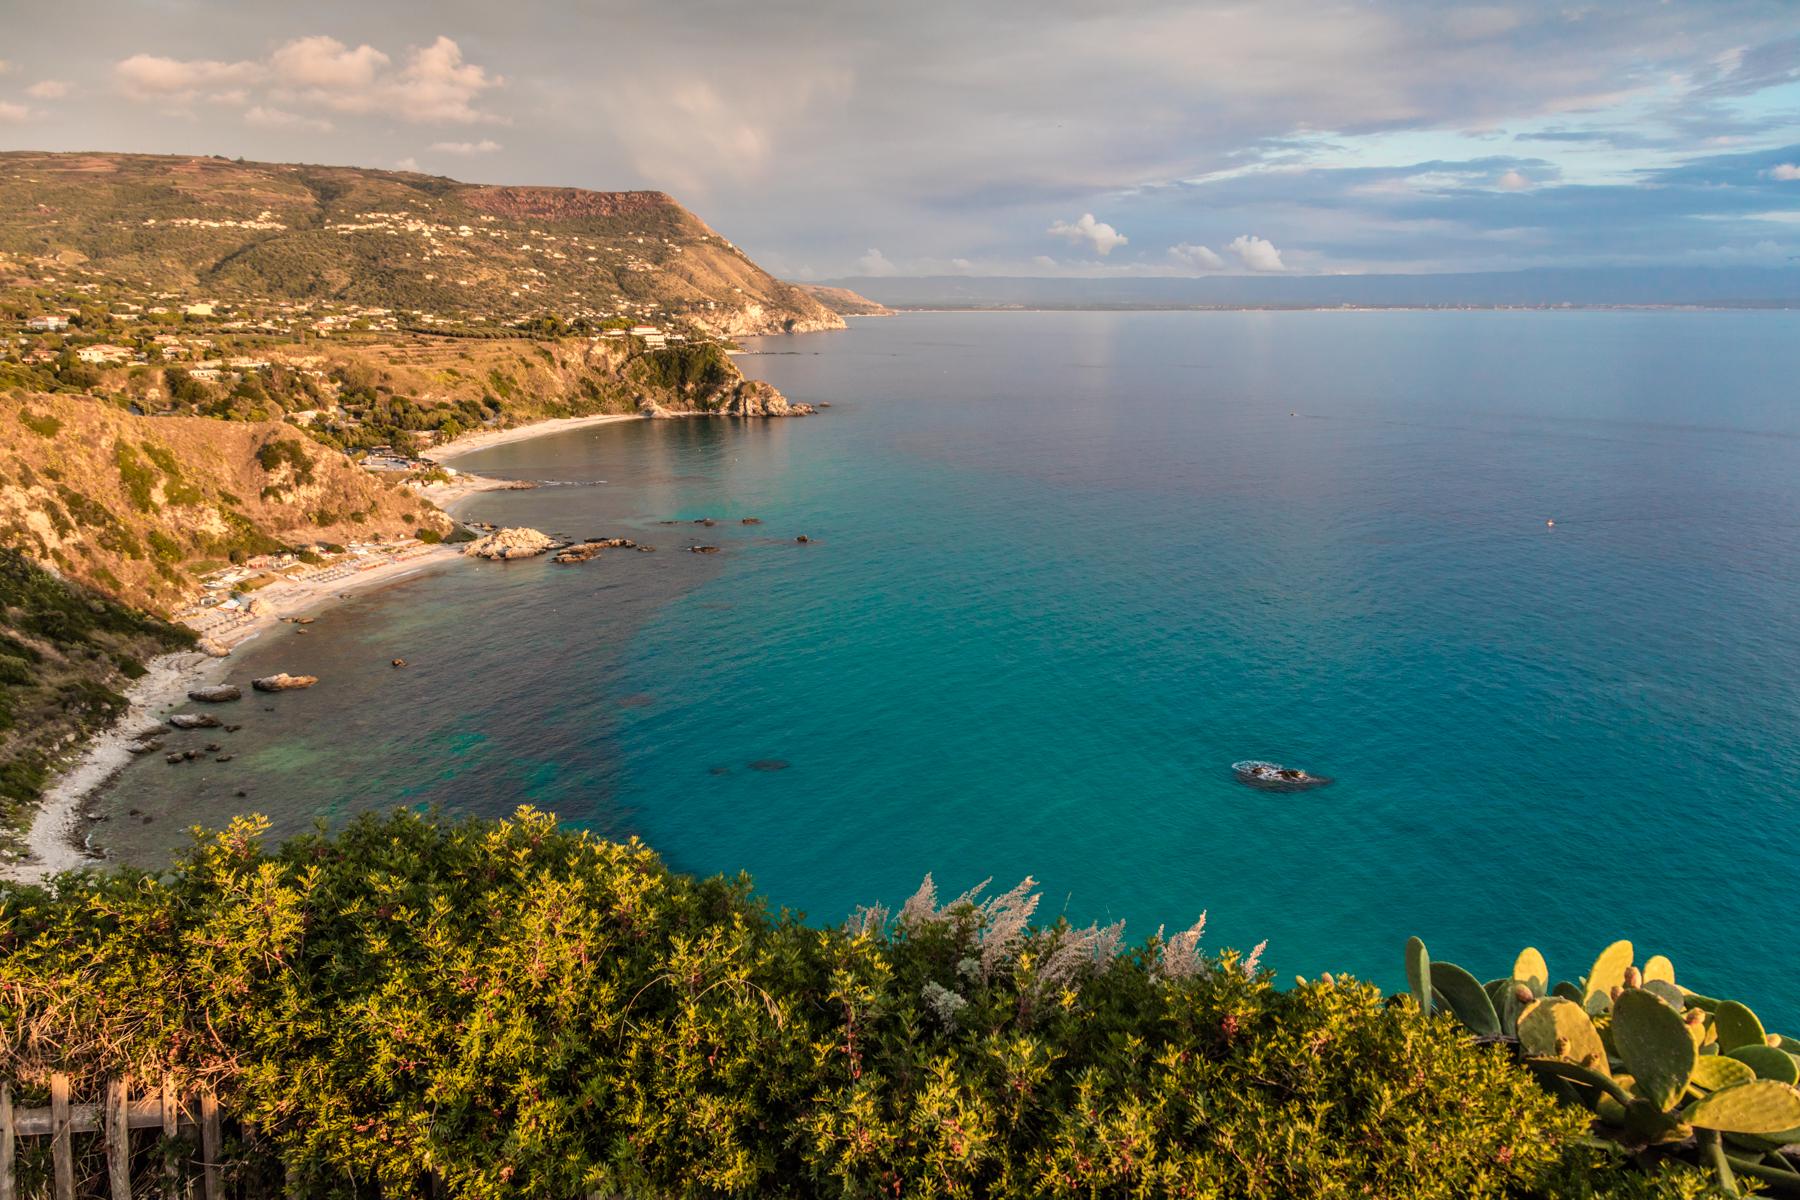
[857,137]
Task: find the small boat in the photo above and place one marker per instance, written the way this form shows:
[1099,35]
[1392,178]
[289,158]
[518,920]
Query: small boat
[1273,777]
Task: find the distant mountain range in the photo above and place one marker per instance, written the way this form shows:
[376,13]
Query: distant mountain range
[1716,287]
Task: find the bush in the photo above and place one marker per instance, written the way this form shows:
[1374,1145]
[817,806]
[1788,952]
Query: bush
[520,1010]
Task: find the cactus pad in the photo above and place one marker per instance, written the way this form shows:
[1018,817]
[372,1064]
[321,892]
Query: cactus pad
[1760,1106]
[1654,1042]
[1418,973]
[1558,1028]
[1713,1072]
[1531,970]
[1768,1062]
[1608,973]
[1737,1026]
[1463,995]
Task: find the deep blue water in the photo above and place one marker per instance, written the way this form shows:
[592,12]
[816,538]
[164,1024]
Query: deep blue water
[1066,568]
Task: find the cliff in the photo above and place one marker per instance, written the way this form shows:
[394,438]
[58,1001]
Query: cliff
[136,507]
[418,244]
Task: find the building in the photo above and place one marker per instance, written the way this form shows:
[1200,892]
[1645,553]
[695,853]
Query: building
[199,310]
[47,324]
[103,354]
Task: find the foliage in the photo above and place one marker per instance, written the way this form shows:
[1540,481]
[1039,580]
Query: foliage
[63,651]
[1665,1072]
[519,1010]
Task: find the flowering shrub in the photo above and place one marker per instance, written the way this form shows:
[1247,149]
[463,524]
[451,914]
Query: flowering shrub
[510,1009]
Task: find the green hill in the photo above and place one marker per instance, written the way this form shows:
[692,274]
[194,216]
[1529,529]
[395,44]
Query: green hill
[197,227]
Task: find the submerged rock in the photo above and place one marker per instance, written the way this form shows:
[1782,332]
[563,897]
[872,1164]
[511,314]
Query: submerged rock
[281,681]
[1273,777]
[704,549]
[770,764]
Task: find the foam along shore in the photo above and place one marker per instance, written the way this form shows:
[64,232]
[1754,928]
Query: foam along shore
[482,439]
[58,837]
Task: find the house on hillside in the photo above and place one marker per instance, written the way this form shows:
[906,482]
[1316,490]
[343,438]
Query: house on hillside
[47,324]
[103,354]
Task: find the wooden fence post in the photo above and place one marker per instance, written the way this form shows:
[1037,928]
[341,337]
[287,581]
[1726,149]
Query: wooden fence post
[171,1115]
[209,1145]
[61,1151]
[8,1190]
[116,1122]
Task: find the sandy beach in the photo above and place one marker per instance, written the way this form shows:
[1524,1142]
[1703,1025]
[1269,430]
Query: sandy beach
[57,839]
[499,437]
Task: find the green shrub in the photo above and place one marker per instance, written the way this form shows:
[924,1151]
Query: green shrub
[520,1010]
[45,425]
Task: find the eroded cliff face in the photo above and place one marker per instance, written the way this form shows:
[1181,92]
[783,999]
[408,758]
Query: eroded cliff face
[136,506]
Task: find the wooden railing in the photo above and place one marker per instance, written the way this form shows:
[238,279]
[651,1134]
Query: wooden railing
[114,1117]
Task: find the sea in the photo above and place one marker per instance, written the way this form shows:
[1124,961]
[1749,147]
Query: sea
[1525,586]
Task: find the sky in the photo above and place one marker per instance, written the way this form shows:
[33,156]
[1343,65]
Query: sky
[867,138]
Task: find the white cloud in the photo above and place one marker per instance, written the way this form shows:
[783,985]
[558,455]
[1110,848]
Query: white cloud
[1258,254]
[484,146]
[408,163]
[178,81]
[1044,262]
[48,89]
[437,85]
[875,263]
[433,86]
[1513,181]
[1786,172]
[1201,258]
[13,114]
[962,264]
[4,66]
[326,64]
[275,118]
[1098,234]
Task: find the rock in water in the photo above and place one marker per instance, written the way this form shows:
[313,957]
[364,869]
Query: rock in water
[510,543]
[281,682]
[1273,777]
[194,721]
[216,695]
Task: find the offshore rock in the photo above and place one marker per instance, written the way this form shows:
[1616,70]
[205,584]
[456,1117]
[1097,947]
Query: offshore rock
[219,694]
[510,543]
[1273,777]
[281,681]
[194,721]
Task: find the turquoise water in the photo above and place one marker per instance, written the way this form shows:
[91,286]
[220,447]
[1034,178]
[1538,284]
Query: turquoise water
[1066,568]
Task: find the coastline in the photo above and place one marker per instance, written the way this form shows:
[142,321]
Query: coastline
[470,442]
[57,839]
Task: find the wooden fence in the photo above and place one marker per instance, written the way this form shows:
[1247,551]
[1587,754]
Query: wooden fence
[113,1118]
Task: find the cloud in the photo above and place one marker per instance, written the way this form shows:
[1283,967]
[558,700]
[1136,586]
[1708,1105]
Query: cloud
[874,262]
[4,66]
[434,85]
[1785,172]
[327,65]
[48,89]
[1098,234]
[408,163]
[437,85]
[1513,181]
[484,146]
[13,114]
[151,77]
[1201,258]
[1256,253]
[275,118]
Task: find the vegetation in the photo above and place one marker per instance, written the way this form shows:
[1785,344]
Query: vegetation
[511,1009]
[64,651]
[1666,1073]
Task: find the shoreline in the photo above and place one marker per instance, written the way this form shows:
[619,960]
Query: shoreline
[58,837]
[468,443]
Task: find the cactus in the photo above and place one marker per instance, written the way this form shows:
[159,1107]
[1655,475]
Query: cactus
[1464,996]
[1608,973]
[1737,1026]
[1760,1106]
[1418,974]
[1768,1062]
[1665,1071]
[1653,1040]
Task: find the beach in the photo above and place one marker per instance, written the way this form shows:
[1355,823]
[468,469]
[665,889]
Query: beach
[57,839]
[470,442]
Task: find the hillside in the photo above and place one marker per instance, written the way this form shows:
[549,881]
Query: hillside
[198,227]
[136,507]
[64,654]
[844,302]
